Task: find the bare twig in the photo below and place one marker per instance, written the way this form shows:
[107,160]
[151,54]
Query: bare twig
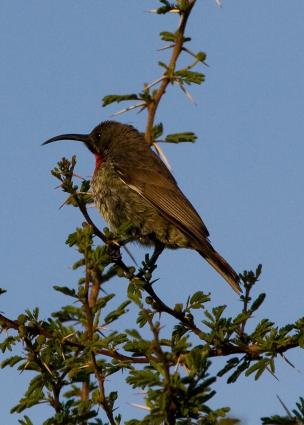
[103,400]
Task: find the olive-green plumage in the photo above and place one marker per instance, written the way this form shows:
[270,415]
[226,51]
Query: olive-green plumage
[132,185]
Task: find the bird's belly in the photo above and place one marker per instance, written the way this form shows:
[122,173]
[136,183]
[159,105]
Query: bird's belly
[117,203]
[120,205]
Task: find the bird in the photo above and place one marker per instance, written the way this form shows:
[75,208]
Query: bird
[132,185]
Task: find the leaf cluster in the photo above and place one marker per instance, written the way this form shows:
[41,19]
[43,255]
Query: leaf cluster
[74,349]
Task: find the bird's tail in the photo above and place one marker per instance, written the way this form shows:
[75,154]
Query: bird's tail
[222,267]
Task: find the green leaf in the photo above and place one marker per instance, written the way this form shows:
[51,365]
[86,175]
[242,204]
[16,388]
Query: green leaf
[178,332]
[263,327]
[115,314]
[218,311]
[25,421]
[187,136]
[255,367]
[162,64]
[135,290]
[260,366]
[11,361]
[143,378]
[240,369]
[157,131]
[138,347]
[134,334]
[145,95]
[142,318]
[256,303]
[111,98]
[27,402]
[279,420]
[228,421]
[32,315]
[166,8]
[102,302]
[168,36]
[197,300]
[241,317]
[112,397]
[8,343]
[258,271]
[231,363]
[180,345]
[69,313]
[190,77]
[66,291]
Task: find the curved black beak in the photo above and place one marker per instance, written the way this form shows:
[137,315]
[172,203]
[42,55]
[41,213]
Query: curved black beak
[77,137]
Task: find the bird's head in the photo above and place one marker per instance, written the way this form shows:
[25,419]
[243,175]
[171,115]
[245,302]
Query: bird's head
[98,141]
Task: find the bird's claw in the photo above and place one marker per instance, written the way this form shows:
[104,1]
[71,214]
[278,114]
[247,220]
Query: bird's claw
[114,251]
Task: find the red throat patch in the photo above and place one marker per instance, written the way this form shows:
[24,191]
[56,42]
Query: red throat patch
[99,160]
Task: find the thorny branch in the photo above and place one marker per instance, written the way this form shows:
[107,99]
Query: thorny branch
[252,350]
[165,79]
[89,302]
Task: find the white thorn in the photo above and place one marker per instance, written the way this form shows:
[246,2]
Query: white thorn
[162,155]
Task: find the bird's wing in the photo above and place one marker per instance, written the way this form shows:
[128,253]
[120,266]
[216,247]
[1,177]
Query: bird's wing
[156,184]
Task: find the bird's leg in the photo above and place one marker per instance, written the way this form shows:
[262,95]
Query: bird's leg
[158,249]
[149,265]
[115,255]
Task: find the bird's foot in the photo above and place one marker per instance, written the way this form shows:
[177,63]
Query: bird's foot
[114,250]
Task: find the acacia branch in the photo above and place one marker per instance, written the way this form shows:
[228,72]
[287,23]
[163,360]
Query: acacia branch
[165,79]
[102,396]
[253,350]
[162,359]
[162,307]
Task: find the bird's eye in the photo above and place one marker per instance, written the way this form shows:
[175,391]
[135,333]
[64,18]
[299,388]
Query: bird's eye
[98,135]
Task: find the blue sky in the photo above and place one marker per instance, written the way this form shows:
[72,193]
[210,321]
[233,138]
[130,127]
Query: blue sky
[244,175]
